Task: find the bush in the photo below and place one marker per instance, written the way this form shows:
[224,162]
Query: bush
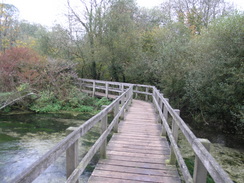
[46,103]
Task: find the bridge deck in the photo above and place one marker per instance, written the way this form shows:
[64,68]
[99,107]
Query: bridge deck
[137,153]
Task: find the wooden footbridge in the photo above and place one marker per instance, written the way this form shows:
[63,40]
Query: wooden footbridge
[143,147]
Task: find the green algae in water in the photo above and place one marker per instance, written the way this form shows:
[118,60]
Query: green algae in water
[6,138]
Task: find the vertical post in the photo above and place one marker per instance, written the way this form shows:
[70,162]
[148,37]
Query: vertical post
[106,91]
[153,96]
[122,88]
[200,172]
[165,112]
[160,107]
[130,95]
[104,124]
[136,92]
[122,103]
[93,89]
[175,132]
[71,155]
[146,97]
[116,110]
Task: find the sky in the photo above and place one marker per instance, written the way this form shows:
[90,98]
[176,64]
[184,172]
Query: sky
[49,12]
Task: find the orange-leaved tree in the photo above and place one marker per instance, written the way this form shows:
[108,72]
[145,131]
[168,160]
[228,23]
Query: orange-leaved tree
[19,65]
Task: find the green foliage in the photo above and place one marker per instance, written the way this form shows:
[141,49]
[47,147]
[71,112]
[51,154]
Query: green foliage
[46,103]
[75,101]
[103,101]
[190,165]
[214,86]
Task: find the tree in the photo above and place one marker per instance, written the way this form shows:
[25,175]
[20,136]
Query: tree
[198,13]
[8,25]
[214,87]
[120,37]
[18,66]
[88,27]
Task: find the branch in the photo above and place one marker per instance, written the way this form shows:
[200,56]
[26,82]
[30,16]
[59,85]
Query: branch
[13,101]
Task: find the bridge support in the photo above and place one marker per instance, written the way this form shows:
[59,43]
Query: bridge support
[200,172]
[71,155]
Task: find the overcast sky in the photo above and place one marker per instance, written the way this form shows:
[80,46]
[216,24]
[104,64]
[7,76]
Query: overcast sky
[48,12]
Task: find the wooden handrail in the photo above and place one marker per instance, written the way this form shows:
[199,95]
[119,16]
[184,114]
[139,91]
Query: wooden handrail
[126,91]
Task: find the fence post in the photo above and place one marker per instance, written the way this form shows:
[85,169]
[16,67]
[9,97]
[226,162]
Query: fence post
[154,96]
[175,132]
[94,88]
[136,92]
[104,125]
[116,110]
[146,97]
[165,113]
[106,91]
[130,96]
[71,155]
[122,103]
[200,172]
[122,88]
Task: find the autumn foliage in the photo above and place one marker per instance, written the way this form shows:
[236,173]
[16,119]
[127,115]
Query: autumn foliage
[17,66]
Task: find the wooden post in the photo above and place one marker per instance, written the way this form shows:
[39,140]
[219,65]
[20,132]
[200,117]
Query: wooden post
[71,155]
[165,112]
[175,132]
[136,92]
[160,108]
[122,88]
[104,125]
[116,110]
[154,96]
[146,97]
[130,96]
[200,172]
[106,91]
[93,89]
[122,103]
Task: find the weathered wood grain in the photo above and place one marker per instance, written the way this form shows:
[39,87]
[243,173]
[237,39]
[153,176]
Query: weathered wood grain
[137,153]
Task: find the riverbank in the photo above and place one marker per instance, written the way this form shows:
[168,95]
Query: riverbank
[230,159]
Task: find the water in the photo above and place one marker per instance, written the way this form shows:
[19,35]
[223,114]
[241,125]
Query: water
[24,138]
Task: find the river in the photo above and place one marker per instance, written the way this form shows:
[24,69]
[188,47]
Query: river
[24,138]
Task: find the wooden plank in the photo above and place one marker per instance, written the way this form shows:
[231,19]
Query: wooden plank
[148,165]
[136,177]
[132,146]
[136,159]
[136,170]
[95,179]
[136,150]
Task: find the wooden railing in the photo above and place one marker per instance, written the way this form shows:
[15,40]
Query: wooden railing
[123,94]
